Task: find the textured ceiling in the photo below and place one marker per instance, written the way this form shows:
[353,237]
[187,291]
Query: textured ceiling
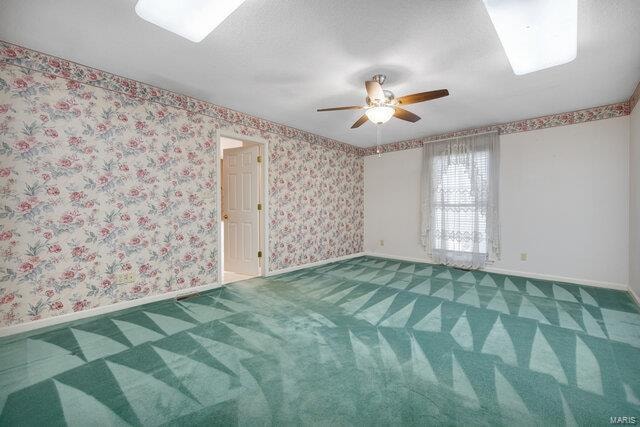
[280,60]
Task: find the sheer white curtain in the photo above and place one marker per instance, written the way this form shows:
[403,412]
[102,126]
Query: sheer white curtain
[460,221]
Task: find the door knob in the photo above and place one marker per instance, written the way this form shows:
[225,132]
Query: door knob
[225,216]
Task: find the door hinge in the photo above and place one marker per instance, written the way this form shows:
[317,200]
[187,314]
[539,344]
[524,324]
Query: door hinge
[259,158]
[259,254]
[259,206]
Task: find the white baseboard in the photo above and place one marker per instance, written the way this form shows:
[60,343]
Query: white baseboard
[570,280]
[70,317]
[315,264]
[634,295]
[563,279]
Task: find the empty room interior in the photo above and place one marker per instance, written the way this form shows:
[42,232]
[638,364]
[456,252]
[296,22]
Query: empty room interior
[340,212]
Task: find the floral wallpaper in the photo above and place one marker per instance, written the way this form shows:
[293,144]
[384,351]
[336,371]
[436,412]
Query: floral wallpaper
[108,197]
[109,186]
[316,203]
[37,61]
[553,120]
[96,185]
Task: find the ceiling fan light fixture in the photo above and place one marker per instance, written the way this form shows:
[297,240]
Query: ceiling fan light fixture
[380,114]
[191,19]
[382,104]
[536,34]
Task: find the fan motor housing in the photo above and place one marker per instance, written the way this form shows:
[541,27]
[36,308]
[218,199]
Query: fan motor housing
[380,78]
[389,98]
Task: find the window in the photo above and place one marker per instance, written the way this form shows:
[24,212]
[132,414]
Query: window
[460,210]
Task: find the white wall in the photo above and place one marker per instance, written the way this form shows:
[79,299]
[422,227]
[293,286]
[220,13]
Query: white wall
[634,202]
[564,201]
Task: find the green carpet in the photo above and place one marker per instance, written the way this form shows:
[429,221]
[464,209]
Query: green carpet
[366,341]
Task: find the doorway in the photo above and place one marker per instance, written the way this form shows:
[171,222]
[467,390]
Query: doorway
[242,219]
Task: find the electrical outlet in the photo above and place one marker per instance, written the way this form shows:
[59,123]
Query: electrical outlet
[126,278]
[381,242]
[523,256]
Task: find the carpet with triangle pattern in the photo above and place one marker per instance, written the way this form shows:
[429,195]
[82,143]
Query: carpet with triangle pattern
[366,341]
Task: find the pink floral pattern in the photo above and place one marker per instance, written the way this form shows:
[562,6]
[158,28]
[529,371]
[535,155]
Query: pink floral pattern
[316,200]
[562,119]
[317,203]
[27,58]
[97,185]
[102,175]
[17,55]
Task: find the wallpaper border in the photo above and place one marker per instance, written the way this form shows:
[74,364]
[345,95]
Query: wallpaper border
[552,120]
[13,54]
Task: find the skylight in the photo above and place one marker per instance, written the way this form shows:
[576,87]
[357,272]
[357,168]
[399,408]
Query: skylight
[191,19]
[536,34]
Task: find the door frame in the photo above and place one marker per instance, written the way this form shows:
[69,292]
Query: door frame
[264,176]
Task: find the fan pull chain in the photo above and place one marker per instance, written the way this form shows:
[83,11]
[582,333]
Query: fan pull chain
[378,151]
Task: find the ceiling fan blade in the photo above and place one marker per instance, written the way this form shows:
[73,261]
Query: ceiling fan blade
[403,114]
[374,90]
[422,96]
[353,107]
[360,121]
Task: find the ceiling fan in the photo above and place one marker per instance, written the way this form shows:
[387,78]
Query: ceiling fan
[382,104]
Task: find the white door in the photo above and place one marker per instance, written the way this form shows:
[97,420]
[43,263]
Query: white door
[240,210]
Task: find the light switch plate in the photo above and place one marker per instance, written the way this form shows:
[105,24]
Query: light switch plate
[126,277]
